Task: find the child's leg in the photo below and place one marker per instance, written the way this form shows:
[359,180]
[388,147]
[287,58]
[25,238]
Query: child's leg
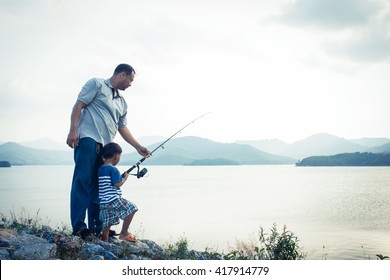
[126,225]
[105,233]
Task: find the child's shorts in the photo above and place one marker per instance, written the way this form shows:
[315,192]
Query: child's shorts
[111,212]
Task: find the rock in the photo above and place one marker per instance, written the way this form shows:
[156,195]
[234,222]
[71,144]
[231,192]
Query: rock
[113,248]
[46,244]
[68,248]
[4,254]
[44,251]
[109,256]
[157,251]
[25,239]
[197,255]
[134,247]
[134,257]
[46,231]
[6,232]
[4,243]
[90,250]
[96,258]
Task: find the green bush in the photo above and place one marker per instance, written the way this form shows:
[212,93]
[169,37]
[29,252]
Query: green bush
[272,246]
[179,250]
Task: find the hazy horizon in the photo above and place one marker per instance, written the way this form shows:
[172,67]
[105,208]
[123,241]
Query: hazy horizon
[150,138]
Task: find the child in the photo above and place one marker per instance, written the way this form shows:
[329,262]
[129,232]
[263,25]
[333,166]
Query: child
[112,206]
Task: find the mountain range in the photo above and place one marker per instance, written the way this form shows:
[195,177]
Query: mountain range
[187,150]
[321,144]
[17,154]
[199,151]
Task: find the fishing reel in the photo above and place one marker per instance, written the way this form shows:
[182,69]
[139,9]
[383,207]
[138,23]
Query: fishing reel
[141,173]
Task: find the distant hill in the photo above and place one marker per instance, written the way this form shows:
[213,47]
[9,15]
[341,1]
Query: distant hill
[381,149]
[195,150]
[321,144]
[371,142]
[146,141]
[46,144]
[5,164]
[186,150]
[179,151]
[17,154]
[347,159]
[213,161]
[273,146]
[150,140]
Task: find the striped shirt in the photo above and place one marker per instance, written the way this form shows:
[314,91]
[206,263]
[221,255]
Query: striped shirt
[108,177]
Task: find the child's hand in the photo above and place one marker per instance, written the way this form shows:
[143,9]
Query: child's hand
[125,175]
[124,178]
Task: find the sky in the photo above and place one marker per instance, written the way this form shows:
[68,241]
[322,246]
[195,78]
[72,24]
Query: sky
[264,69]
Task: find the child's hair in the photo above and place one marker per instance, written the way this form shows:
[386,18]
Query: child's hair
[110,150]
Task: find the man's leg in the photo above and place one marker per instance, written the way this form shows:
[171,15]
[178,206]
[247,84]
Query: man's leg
[85,159]
[94,223]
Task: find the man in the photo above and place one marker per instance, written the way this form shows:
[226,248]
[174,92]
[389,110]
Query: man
[98,114]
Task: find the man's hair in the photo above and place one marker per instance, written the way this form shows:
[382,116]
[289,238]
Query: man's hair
[110,150]
[124,68]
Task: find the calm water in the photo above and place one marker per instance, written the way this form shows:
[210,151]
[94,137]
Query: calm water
[336,212]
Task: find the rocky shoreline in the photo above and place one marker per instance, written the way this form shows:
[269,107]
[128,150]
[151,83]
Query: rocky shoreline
[47,244]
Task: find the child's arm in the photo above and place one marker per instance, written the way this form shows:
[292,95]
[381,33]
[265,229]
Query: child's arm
[119,184]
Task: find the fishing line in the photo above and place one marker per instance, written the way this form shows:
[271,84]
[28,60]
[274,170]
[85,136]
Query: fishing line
[142,173]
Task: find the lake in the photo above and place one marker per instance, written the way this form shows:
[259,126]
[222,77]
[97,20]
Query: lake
[336,212]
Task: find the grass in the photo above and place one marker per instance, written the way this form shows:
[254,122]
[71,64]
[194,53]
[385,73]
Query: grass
[26,221]
[268,246]
[272,245]
[178,250]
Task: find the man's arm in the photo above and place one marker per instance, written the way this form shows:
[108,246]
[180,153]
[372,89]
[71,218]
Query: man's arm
[73,137]
[128,137]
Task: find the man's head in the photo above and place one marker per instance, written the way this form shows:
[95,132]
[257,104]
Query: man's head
[123,76]
[124,68]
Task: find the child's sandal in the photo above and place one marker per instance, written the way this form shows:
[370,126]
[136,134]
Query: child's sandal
[129,237]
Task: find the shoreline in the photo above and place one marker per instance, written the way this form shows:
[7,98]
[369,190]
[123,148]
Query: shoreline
[25,239]
[44,243]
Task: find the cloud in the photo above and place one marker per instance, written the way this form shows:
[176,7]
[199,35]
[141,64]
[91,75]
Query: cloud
[353,30]
[332,14]
[190,58]
[372,44]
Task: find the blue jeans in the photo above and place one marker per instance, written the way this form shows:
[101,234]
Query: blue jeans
[84,196]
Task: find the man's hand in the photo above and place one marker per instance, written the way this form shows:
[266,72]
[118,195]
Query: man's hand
[143,151]
[128,137]
[73,139]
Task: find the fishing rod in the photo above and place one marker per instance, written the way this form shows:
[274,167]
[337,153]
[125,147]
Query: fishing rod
[142,173]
